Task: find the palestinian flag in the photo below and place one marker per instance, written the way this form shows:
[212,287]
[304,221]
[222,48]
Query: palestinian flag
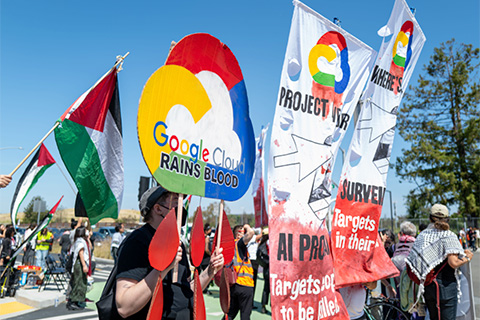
[45,221]
[42,160]
[89,140]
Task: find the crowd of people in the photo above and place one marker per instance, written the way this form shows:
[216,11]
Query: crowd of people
[428,260]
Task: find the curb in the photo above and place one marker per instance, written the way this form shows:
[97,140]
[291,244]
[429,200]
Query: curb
[40,300]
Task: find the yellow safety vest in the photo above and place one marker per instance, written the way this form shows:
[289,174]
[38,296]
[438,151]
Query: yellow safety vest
[44,245]
[243,268]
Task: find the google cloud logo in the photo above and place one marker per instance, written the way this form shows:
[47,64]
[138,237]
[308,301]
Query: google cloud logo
[332,54]
[193,122]
[402,48]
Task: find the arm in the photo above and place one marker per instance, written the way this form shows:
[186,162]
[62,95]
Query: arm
[390,290]
[370,285]
[207,246]
[131,295]
[454,261]
[216,264]
[249,233]
[82,260]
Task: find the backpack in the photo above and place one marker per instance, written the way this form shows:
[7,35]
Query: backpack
[106,307]
[69,263]
[431,276]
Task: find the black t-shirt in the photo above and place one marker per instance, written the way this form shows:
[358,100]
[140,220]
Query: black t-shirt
[447,274]
[242,249]
[133,264]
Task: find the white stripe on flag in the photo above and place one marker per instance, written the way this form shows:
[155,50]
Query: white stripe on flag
[110,151]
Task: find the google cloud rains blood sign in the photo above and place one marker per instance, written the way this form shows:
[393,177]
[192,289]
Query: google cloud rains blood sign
[193,122]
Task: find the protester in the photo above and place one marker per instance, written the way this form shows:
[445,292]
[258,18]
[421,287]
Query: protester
[406,238]
[477,236]
[2,234]
[471,238]
[44,241]
[117,239]
[73,226]
[388,286]
[354,298]
[263,257]
[4,180]
[65,243]
[388,238]
[29,250]
[9,246]
[252,248]
[422,227]
[462,236]
[81,269]
[437,248]
[136,278]
[241,293]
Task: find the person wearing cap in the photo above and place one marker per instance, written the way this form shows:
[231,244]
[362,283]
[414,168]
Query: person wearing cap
[241,293]
[136,278]
[438,249]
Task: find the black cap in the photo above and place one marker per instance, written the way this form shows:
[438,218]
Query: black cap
[149,198]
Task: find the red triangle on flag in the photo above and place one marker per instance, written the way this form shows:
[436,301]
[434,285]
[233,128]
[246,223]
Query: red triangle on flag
[92,110]
[44,157]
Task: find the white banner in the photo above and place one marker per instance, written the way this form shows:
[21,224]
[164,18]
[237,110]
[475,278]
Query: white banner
[363,180]
[324,72]
[258,186]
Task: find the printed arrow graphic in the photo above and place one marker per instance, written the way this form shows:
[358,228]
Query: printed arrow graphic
[379,121]
[309,156]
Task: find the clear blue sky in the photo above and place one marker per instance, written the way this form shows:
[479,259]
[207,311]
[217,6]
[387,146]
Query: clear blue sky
[52,51]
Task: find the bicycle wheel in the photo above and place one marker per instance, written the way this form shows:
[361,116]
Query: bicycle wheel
[386,311]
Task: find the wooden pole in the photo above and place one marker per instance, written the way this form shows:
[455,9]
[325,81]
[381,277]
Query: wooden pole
[179,229]
[34,148]
[220,224]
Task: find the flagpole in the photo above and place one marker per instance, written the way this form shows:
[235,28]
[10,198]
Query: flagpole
[118,62]
[58,166]
[34,148]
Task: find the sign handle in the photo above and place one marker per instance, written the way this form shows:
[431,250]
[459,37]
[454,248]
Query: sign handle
[179,229]
[220,225]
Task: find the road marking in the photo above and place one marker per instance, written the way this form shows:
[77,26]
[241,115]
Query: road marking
[11,307]
[73,316]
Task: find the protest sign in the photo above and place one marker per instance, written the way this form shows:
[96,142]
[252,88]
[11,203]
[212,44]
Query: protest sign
[324,72]
[363,181]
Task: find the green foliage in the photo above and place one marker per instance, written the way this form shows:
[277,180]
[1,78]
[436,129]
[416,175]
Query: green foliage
[441,122]
[29,215]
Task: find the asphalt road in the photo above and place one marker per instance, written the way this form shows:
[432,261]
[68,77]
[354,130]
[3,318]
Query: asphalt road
[211,300]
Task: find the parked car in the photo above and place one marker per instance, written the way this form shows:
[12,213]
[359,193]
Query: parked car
[107,231]
[97,238]
[57,235]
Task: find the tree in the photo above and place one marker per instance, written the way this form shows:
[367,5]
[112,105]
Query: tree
[29,215]
[441,121]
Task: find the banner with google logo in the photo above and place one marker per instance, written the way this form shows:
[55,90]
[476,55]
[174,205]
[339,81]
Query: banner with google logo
[324,72]
[193,124]
[362,188]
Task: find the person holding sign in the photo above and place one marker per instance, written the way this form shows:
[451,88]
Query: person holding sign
[136,278]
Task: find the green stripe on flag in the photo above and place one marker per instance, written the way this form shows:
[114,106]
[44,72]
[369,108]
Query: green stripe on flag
[81,158]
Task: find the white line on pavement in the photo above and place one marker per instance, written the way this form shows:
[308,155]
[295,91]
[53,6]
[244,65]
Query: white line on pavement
[73,316]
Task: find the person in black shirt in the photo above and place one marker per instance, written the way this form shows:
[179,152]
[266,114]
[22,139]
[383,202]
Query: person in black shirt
[136,278]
